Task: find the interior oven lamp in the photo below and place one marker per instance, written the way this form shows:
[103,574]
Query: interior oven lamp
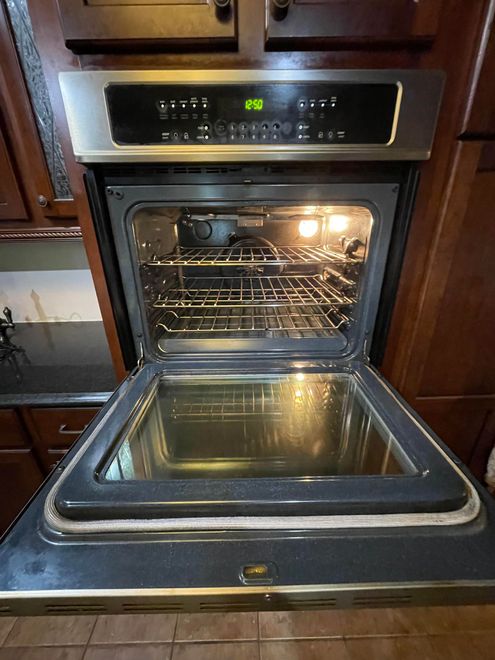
[308,228]
[338,222]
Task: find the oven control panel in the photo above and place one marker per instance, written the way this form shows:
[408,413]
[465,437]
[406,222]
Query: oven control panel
[278,113]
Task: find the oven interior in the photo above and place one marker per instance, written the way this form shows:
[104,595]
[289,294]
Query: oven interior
[241,272]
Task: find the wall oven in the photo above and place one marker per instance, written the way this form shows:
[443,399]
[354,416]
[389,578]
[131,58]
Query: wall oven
[252,225]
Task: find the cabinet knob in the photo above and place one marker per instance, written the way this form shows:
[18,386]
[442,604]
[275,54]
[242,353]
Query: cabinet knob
[42,201]
[223,9]
[279,9]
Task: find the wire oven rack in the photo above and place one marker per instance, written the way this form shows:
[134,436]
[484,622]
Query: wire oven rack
[254,256]
[294,290]
[286,321]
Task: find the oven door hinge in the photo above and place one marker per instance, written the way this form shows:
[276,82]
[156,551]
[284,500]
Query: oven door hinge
[140,362]
[366,357]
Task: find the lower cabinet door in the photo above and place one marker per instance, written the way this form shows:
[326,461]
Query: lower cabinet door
[20,476]
[56,429]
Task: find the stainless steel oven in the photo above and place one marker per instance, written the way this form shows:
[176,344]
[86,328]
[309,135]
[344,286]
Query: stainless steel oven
[251,225]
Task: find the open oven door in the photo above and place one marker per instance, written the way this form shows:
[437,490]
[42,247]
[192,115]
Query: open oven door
[267,466]
[275,485]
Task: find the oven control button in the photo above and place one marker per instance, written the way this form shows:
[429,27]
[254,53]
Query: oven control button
[253,127]
[265,136]
[331,135]
[175,135]
[276,126]
[243,127]
[286,128]
[253,137]
[302,104]
[220,127]
[231,127]
[265,126]
[207,127]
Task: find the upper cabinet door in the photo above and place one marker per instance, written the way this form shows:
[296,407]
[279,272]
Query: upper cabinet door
[479,118]
[11,202]
[316,24]
[92,25]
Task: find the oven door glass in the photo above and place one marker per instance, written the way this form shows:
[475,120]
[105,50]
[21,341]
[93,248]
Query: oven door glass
[301,425]
[301,442]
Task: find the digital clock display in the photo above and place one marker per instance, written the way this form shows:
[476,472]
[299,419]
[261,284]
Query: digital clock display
[253,104]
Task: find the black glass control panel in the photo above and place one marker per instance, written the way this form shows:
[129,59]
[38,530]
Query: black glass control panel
[278,113]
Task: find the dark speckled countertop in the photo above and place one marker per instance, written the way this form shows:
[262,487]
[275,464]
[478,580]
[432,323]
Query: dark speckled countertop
[63,364]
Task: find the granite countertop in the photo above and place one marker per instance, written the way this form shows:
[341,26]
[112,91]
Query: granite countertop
[63,364]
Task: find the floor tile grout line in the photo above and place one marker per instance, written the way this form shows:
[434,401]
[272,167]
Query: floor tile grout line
[89,638]
[16,619]
[259,634]
[172,643]
[176,625]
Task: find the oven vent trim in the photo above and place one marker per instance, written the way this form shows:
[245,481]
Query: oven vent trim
[237,598]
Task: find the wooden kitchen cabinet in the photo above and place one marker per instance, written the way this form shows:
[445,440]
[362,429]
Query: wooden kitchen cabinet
[20,476]
[28,199]
[95,25]
[32,441]
[12,432]
[56,429]
[313,24]
[448,369]
[479,118]
[11,202]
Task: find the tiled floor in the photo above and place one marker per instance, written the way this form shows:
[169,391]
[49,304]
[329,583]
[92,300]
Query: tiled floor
[435,633]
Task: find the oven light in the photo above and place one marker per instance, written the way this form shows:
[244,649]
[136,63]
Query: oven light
[338,222]
[299,377]
[308,228]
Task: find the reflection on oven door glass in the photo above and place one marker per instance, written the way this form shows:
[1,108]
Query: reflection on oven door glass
[302,425]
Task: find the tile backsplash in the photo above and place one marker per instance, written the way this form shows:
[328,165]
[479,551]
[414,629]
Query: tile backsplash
[47,281]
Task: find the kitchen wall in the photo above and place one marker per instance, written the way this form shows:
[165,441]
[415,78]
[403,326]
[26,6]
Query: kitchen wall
[47,281]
